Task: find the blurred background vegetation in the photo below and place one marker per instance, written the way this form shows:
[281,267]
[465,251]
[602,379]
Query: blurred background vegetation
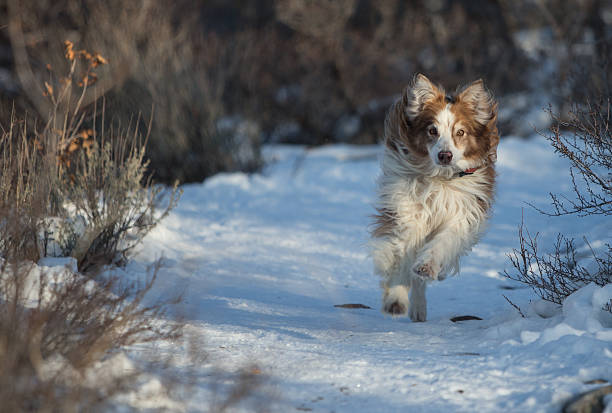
[218,78]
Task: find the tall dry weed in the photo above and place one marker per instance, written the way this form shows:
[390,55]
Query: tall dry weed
[68,191]
[93,190]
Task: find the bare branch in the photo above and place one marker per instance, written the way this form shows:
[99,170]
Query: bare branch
[586,141]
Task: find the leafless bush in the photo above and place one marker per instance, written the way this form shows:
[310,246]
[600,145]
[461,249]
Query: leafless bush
[588,146]
[556,275]
[586,141]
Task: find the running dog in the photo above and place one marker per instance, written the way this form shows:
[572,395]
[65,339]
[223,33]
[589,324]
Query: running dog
[435,191]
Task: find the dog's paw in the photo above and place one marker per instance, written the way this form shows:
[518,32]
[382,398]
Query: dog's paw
[395,308]
[427,270]
[395,301]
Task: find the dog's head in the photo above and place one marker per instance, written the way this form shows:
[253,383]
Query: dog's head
[448,133]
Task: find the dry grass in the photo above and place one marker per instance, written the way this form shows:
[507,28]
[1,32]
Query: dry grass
[69,191]
[57,331]
[91,192]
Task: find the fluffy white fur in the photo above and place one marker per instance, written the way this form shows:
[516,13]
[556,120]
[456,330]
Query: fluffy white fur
[437,221]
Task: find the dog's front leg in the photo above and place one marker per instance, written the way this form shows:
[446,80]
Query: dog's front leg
[400,286]
[418,302]
[397,286]
[441,253]
[396,289]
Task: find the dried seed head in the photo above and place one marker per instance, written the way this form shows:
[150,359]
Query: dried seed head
[69,52]
[98,60]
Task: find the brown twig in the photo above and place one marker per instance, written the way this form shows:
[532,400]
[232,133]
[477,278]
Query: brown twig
[514,305]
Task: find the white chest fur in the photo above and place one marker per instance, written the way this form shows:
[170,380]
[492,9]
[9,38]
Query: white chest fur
[437,216]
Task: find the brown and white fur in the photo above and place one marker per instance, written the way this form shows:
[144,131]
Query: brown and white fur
[435,190]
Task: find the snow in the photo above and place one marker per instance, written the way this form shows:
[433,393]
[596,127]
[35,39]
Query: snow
[264,258]
[50,271]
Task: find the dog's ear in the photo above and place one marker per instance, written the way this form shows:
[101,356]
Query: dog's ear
[493,134]
[478,98]
[417,93]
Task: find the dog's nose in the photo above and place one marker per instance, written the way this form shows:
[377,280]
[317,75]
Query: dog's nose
[445,157]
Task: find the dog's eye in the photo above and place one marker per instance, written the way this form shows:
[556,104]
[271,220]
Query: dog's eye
[460,132]
[433,131]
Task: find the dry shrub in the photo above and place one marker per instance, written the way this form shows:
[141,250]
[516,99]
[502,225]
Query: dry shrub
[96,202]
[586,141]
[59,332]
[67,190]
[112,204]
[75,183]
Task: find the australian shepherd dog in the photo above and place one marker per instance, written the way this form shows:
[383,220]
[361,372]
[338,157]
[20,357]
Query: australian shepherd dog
[435,190]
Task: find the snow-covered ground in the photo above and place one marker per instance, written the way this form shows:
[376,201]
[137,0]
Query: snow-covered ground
[264,258]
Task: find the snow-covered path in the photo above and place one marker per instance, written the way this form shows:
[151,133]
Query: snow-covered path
[265,258]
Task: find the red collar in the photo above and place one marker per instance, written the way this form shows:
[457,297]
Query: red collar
[468,171]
